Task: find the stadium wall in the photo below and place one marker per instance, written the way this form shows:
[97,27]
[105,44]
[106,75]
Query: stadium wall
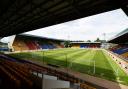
[11,40]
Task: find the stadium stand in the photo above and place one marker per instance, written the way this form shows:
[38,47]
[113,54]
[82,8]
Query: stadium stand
[56,45]
[121,48]
[17,75]
[86,44]
[24,42]
[31,45]
[19,45]
[25,15]
[125,54]
[3,46]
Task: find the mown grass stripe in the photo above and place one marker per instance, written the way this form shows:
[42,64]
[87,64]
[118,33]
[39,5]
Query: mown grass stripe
[79,58]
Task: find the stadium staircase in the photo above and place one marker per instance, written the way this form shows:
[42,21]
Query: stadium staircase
[56,45]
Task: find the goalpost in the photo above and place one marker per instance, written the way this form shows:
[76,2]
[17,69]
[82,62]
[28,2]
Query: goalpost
[90,63]
[88,67]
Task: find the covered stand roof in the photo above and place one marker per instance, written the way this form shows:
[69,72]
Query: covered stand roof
[122,37]
[28,36]
[17,16]
[86,42]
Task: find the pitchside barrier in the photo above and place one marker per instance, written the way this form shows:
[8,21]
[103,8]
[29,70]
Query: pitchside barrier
[76,82]
[37,50]
[88,67]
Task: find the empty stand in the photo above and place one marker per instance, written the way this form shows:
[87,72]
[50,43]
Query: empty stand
[19,76]
[125,54]
[121,50]
[31,45]
[19,45]
[22,43]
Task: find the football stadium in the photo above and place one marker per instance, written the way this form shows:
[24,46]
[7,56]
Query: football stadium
[30,61]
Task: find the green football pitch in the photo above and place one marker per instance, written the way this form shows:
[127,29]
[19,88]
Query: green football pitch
[94,62]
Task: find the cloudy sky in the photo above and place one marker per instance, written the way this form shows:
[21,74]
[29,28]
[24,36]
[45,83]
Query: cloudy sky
[88,28]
